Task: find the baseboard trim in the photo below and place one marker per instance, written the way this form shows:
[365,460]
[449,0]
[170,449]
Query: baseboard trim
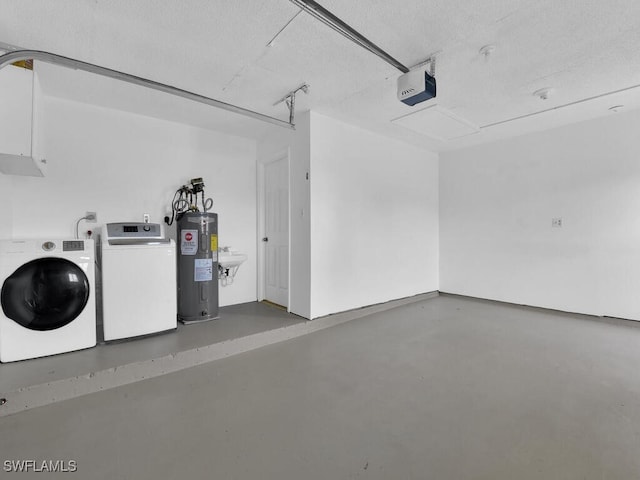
[381,307]
[627,322]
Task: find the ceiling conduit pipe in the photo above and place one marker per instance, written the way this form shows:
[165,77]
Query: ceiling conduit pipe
[52,58]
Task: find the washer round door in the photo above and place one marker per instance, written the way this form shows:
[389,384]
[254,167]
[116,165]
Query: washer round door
[45,294]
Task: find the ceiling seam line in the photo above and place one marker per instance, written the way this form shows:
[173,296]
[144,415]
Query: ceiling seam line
[577,102]
[270,42]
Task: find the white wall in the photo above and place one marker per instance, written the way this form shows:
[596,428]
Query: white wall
[496,206]
[6,214]
[374,222]
[364,227]
[122,165]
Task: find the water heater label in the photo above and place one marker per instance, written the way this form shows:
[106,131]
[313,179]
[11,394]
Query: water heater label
[203,270]
[189,242]
[214,243]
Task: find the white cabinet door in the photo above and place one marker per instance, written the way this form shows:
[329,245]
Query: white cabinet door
[16,107]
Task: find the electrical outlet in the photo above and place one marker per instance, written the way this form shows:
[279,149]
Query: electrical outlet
[556,222]
[91,217]
[146,217]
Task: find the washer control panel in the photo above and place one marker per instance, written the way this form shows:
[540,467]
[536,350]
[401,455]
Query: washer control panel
[132,233]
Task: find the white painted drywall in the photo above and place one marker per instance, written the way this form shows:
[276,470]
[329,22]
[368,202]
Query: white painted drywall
[6,214]
[497,203]
[374,222]
[123,165]
[295,144]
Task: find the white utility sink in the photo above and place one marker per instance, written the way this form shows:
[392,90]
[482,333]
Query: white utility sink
[231,259]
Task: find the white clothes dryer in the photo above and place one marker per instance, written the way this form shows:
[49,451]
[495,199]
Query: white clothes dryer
[47,297]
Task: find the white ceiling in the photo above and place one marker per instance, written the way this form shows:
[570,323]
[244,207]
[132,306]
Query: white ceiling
[582,49]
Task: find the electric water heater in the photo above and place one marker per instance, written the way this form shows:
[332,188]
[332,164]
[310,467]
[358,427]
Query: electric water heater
[197,267]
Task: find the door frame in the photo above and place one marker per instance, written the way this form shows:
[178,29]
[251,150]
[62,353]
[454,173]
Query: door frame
[261,220]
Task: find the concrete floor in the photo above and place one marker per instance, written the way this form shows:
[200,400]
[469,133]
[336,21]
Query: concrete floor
[235,321]
[241,328]
[447,388]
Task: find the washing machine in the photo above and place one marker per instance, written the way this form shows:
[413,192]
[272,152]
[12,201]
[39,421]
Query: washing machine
[138,280]
[47,297]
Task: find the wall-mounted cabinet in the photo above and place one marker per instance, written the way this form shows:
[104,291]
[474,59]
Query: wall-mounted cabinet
[17,122]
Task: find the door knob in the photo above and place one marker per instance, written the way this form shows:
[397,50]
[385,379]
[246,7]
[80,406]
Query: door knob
[265,239]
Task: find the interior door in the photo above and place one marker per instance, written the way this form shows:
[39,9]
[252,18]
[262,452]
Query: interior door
[276,239]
